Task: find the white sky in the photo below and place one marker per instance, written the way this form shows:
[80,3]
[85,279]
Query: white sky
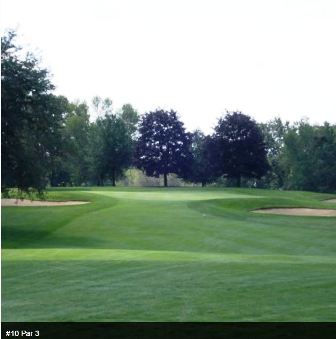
[266,58]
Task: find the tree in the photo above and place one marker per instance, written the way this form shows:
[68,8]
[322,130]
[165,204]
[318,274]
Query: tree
[111,147]
[163,146]
[131,117]
[101,106]
[203,159]
[72,166]
[240,147]
[31,119]
[310,154]
[274,132]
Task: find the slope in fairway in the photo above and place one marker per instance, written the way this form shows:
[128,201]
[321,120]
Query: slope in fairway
[169,255]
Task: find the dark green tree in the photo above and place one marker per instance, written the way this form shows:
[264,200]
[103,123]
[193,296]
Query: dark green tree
[31,119]
[72,166]
[310,154]
[131,117]
[241,151]
[274,132]
[111,146]
[202,169]
[163,146]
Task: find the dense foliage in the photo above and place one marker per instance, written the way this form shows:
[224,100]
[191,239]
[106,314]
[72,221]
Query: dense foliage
[203,162]
[302,156]
[240,148]
[72,167]
[310,153]
[31,119]
[112,148]
[163,146]
[47,140]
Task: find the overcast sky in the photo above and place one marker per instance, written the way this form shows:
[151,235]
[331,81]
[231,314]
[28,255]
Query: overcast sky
[265,58]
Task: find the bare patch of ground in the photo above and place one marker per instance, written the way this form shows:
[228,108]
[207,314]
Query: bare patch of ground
[331,200]
[33,203]
[314,212]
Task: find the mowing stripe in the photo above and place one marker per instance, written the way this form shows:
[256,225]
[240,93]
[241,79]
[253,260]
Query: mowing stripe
[68,254]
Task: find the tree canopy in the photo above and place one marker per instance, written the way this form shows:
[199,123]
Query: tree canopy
[310,157]
[47,140]
[203,163]
[163,146]
[131,118]
[274,132]
[112,148]
[72,166]
[240,147]
[31,119]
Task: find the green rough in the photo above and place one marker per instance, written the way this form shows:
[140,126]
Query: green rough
[176,254]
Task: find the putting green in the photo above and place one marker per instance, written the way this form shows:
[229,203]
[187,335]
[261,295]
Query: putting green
[176,254]
[172,195]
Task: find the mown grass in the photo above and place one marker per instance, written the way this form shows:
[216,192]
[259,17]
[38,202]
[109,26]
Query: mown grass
[176,254]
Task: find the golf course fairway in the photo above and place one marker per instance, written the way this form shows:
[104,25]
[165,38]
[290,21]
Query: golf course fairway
[169,254]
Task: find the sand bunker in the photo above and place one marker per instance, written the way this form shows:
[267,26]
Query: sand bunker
[314,212]
[26,202]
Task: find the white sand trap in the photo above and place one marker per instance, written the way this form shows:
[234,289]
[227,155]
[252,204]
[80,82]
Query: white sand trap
[33,203]
[313,212]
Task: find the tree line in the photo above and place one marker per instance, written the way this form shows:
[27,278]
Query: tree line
[48,140]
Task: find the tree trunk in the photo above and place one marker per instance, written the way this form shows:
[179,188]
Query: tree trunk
[203,183]
[113,178]
[165,180]
[239,181]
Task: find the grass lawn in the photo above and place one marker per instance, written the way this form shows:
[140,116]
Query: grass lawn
[176,254]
